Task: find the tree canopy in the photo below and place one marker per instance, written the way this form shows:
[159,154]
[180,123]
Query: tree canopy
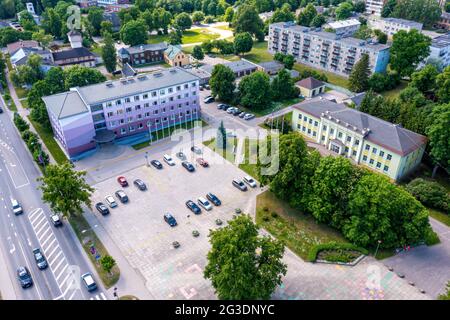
[222,83]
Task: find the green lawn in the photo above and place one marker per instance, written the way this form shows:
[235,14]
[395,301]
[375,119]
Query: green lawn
[24,103]
[21,92]
[47,137]
[88,238]
[275,106]
[394,93]
[164,133]
[440,216]
[224,28]
[332,78]
[259,53]
[189,36]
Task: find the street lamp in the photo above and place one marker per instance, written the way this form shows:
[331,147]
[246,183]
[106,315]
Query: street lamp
[376,251]
[146,158]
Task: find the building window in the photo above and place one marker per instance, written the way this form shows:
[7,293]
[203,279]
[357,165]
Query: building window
[354,153]
[357,142]
[131,128]
[300,116]
[118,102]
[154,94]
[155,103]
[127,100]
[146,105]
[349,138]
[186,86]
[386,168]
[364,158]
[171,99]
[123,131]
[378,165]
[381,153]
[374,150]
[316,123]
[367,147]
[136,98]
[109,104]
[170,90]
[324,128]
[139,116]
[162,91]
[304,129]
[323,138]
[371,161]
[128,109]
[346,149]
[138,107]
[193,84]
[305,118]
[310,121]
[389,156]
[110,114]
[147,114]
[178,88]
[309,131]
[130,119]
[314,133]
[155,111]
[145,96]
[299,126]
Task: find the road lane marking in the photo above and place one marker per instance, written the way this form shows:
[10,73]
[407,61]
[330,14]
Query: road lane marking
[62,272]
[38,231]
[39,222]
[65,279]
[32,213]
[50,245]
[53,251]
[55,258]
[45,232]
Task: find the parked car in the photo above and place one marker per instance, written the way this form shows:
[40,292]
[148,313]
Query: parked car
[170,219]
[208,99]
[56,220]
[231,110]
[193,207]
[250,181]
[122,181]
[226,107]
[201,88]
[180,155]
[204,203]
[196,150]
[16,207]
[24,277]
[89,282]
[239,184]
[213,198]
[242,114]
[168,159]
[122,196]
[40,259]
[236,112]
[202,162]
[100,206]
[156,164]
[221,106]
[249,116]
[140,184]
[1,110]
[110,201]
[188,166]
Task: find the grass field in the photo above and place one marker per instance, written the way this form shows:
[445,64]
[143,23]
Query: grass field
[332,78]
[189,36]
[47,137]
[394,93]
[259,53]
[275,106]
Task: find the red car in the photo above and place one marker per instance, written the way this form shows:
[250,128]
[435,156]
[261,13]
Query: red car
[202,162]
[122,181]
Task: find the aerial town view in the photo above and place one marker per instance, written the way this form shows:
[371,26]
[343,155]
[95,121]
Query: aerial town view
[210,150]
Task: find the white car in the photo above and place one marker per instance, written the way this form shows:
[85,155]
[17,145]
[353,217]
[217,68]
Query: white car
[250,181]
[110,201]
[231,110]
[249,116]
[168,159]
[204,203]
[16,207]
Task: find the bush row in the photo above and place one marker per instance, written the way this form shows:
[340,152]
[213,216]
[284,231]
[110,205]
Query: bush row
[312,255]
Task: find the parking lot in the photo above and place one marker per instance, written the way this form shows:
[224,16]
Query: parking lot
[139,230]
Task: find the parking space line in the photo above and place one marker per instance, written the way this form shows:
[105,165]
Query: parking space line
[53,260]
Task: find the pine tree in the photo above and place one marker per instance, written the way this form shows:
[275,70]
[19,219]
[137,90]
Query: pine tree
[359,77]
[109,53]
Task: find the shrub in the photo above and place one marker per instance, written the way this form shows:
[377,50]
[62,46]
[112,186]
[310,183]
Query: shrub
[431,238]
[430,194]
[312,255]
[26,135]
[21,124]
[274,214]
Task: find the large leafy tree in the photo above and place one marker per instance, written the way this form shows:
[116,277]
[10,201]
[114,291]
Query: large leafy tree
[43,38]
[443,86]
[246,19]
[430,194]
[109,55]
[95,18]
[359,77]
[307,15]
[254,90]
[426,11]
[65,189]
[439,134]
[134,33]
[283,86]
[283,14]
[198,16]
[183,21]
[27,21]
[425,79]
[388,8]
[222,83]
[197,53]
[243,43]
[405,61]
[79,76]
[344,11]
[52,22]
[242,264]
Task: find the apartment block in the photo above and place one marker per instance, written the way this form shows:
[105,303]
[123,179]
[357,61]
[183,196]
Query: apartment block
[344,28]
[117,111]
[374,7]
[325,50]
[391,26]
[366,140]
[440,49]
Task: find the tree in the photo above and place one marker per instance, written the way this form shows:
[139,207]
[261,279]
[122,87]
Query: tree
[198,16]
[388,8]
[43,38]
[55,79]
[7,9]
[242,264]
[307,15]
[247,19]
[107,263]
[109,55]
[405,61]
[27,21]
[439,134]
[229,14]
[318,21]
[134,33]
[283,14]
[344,11]
[360,6]
[197,53]
[381,36]
[207,46]
[222,83]
[288,61]
[106,27]
[359,77]
[161,19]
[425,79]
[283,86]
[254,90]
[243,43]
[430,194]
[427,12]
[183,21]
[79,76]
[95,18]
[176,37]
[443,86]
[64,189]
[221,138]
[52,22]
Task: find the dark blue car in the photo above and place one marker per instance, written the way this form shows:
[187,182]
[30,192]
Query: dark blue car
[170,219]
[193,207]
[211,197]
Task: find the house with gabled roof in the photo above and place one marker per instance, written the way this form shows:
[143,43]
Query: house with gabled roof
[175,56]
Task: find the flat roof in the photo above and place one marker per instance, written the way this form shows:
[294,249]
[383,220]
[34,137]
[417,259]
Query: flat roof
[235,66]
[442,41]
[404,22]
[344,23]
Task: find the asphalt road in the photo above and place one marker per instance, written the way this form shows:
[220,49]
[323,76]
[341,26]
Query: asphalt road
[33,229]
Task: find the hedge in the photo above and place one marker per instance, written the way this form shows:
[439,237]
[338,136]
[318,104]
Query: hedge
[312,255]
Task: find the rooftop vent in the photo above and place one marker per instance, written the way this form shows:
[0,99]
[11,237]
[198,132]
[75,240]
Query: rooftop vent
[362,43]
[355,128]
[142,77]
[337,121]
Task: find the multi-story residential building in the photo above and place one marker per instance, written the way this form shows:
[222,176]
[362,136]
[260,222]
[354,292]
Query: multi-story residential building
[440,49]
[444,21]
[344,28]
[374,6]
[146,53]
[366,140]
[325,50]
[391,26]
[110,111]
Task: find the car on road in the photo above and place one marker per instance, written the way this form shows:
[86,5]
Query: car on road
[196,150]
[204,203]
[100,206]
[250,181]
[1,110]
[89,282]
[193,207]
[156,164]
[122,181]
[239,184]
[170,219]
[180,155]
[110,201]
[242,114]
[208,99]
[16,207]
[202,162]
[56,220]
[249,116]
[140,184]
[168,159]
[213,198]
[24,277]
[122,196]
[188,166]
[40,259]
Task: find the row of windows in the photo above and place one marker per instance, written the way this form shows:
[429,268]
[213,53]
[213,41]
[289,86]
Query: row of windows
[372,161]
[137,98]
[375,150]
[138,107]
[140,126]
[147,114]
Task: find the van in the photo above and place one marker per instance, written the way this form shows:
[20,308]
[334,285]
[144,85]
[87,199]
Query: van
[17,209]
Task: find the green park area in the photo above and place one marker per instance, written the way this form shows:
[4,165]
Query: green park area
[189,36]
